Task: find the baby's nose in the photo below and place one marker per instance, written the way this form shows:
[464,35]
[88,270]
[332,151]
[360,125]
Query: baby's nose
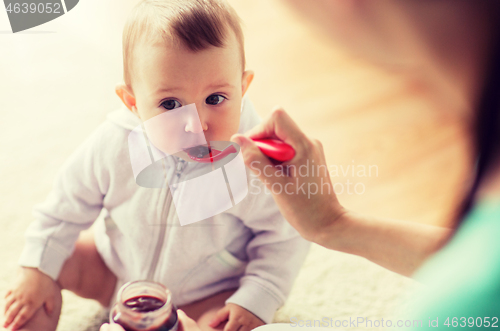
[194,124]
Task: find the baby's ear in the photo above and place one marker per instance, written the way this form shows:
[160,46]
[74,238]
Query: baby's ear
[246,80]
[127,96]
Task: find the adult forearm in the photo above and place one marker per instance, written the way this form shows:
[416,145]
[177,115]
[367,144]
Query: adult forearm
[396,245]
[400,246]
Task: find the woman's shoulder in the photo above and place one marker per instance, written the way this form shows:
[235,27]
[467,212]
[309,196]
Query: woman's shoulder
[463,278]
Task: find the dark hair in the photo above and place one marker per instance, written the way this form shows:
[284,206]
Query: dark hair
[200,26]
[195,24]
[486,127]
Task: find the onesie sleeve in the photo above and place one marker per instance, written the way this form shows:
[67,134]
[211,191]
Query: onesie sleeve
[276,251]
[71,207]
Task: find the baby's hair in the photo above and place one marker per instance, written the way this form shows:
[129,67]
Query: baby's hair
[196,24]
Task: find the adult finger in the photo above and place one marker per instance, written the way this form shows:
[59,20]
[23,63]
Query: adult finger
[111,327]
[256,160]
[186,323]
[281,126]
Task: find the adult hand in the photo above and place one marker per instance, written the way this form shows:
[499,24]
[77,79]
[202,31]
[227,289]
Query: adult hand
[308,202]
[305,196]
[185,324]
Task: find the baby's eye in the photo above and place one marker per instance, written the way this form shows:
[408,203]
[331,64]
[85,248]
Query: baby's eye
[171,104]
[215,99]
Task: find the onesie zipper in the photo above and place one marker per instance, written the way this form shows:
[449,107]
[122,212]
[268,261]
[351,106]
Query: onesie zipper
[165,215]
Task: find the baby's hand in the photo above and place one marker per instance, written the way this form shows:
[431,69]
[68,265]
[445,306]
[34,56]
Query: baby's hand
[32,290]
[238,319]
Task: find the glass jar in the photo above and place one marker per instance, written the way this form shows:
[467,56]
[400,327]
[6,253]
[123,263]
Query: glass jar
[144,306]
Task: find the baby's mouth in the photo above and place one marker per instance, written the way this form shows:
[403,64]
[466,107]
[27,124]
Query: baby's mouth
[208,154]
[199,152]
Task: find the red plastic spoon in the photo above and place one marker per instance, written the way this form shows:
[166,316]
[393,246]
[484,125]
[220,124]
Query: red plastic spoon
[275,149]
[214,155]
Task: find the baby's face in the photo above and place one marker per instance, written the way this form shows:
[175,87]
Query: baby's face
[168,77]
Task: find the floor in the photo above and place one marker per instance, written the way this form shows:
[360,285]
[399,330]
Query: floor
[58,84]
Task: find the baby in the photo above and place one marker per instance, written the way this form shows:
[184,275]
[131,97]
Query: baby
[231,270]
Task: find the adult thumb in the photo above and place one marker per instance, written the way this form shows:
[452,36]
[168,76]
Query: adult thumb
[186,323]
[256,160]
